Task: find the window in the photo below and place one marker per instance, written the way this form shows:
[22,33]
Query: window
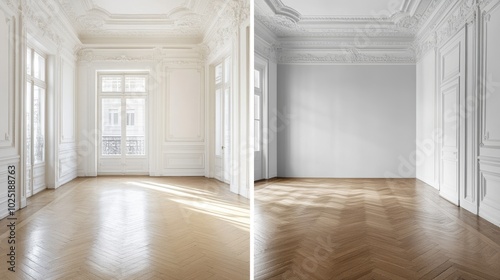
[35,114]
[130,117]
[123,109]
[113,116]
[257,110]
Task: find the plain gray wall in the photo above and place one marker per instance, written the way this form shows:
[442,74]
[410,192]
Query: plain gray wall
[346,121]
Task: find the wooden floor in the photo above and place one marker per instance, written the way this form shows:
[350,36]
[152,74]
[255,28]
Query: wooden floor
[131,228]
[368,229]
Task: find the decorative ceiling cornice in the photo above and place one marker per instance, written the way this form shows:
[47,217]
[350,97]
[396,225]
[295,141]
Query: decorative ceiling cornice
[399,39]
[435,30]
[281,9]
[190,20]
[350,56]
[284,21]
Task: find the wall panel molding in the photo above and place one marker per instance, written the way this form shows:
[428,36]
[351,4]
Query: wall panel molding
[185,106]
[8,41]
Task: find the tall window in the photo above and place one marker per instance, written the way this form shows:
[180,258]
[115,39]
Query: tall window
[257,109]
[123,114]
[35,104]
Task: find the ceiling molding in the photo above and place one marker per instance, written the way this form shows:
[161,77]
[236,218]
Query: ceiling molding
[281,9]
[275,16]
[444,21]
[347,56]
[189,21]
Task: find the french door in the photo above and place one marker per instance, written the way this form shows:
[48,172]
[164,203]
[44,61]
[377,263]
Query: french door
[35,121]
[222,121]
[123,124]
[258,126]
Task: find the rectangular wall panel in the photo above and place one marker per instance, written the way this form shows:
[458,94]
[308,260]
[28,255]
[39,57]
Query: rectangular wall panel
[6,81]
[184,160]
[489,136]
[185,106]
[68,103]
[491,112]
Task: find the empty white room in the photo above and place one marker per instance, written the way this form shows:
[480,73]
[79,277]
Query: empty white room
[123,139]
[377,139]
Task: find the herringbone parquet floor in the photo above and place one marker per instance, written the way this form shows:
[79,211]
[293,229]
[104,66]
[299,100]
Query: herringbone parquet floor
[368,229]
[131,228]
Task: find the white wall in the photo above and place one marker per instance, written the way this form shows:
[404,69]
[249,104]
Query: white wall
[489,115]
[57,40]
[176,109]
[426,120]
[346,120]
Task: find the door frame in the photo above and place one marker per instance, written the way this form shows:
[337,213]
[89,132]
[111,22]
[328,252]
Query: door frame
[225,157]
[123,97]
[444,83]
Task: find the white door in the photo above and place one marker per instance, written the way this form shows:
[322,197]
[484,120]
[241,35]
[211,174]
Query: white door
[35,121]
[222,121]
[123,125]
[452,93]
[258,125]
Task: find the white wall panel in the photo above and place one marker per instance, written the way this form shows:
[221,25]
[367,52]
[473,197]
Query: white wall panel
[489,132]
[346,121]
[68,111]
[6,81]
[185,105]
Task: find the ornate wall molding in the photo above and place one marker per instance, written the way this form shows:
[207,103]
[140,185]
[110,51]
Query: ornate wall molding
[45,23]
[440,29]
[157,55]
[281,9]
[353,55]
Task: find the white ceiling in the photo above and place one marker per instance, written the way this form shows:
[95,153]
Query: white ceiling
[142,21]
[341,18]
[133,7]
[375,8]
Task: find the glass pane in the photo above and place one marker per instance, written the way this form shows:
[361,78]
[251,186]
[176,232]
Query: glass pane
[227,70]
[257,107]
[136,132]
[111,126]
[257,135]
[218,74]
[256,78]
[218,123]
[28,123]
[28,61]
[112,84]
[135,84]
[39,67]
[39,125]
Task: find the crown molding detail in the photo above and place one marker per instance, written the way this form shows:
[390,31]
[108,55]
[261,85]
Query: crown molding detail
[349,56]
[42,20]
[445,24]
[284,21]
[157,55]
[231,16]
[402,38]
[281,9]
[190,21]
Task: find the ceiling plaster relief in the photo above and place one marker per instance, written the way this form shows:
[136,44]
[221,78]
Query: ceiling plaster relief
[393,35]
[219,34]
